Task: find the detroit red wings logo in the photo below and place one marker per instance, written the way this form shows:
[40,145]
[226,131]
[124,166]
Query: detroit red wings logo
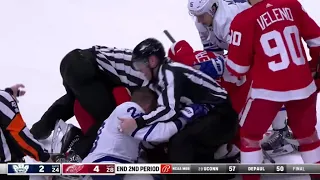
[74,168]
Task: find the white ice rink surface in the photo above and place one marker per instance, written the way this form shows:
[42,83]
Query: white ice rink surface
[36,34]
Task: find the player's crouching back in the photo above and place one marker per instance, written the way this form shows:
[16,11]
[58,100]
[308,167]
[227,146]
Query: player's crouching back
[115,146]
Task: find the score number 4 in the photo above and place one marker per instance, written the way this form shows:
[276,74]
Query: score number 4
[108,169]
[96,169]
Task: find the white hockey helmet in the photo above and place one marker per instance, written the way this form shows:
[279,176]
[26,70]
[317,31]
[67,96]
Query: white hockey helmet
[199,7]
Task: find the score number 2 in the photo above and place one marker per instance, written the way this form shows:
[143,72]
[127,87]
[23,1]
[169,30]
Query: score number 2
[280,48]
[54,169]
[41,168]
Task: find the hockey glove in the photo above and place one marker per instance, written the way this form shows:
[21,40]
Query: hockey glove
[214,67]
[194,111]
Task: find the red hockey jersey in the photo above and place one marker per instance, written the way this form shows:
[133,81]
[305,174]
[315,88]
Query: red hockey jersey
[266,39]
[237,88]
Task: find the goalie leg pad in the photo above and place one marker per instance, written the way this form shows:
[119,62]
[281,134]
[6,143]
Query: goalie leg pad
[64,134]
[70,138]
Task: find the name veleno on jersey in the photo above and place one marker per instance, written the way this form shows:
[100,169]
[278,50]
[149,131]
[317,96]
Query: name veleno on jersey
[278,14]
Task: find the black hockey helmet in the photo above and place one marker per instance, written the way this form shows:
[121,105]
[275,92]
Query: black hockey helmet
[145,49]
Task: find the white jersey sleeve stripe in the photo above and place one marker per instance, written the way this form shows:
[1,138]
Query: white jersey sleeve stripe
[313,42]
[237,68]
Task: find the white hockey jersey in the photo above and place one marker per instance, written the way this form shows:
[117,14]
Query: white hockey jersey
[216,38]
[113,143]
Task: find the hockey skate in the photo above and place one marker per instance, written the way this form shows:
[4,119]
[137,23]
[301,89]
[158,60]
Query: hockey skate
[276,144]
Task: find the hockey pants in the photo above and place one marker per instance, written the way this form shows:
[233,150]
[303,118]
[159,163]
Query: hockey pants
[258,116]
[82,78]
[93,90]
[198,141]
[85,120]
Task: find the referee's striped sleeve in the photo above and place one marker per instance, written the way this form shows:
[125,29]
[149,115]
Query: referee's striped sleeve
[117,63]
[168,100]
[12,121]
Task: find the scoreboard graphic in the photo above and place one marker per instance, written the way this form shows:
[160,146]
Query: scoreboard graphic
[85,169]
[34,169]
[54,169]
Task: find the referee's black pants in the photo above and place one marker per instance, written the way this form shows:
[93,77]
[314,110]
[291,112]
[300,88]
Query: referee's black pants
[83,79]
[199,140]
[91,87]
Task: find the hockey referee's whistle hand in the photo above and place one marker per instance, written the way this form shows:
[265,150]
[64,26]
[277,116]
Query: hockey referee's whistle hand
[127,125]
[16,91]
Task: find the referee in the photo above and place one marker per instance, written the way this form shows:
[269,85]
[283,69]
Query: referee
[178,85]
[89,76]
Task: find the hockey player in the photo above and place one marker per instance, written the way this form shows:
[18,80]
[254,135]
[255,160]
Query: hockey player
[213,65]
[237,88]
[178,85]
[117,147]
[266,39]
[213,19]
[89,76]
[16,140]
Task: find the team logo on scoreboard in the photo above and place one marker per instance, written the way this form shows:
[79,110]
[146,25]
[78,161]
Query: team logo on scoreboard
[20,168]
[74,168]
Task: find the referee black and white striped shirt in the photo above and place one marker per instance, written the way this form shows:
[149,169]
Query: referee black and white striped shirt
[117,64]
[16,140]
[180,84]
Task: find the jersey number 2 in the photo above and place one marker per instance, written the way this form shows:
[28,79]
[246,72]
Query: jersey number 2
[133,111]
[291,38]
